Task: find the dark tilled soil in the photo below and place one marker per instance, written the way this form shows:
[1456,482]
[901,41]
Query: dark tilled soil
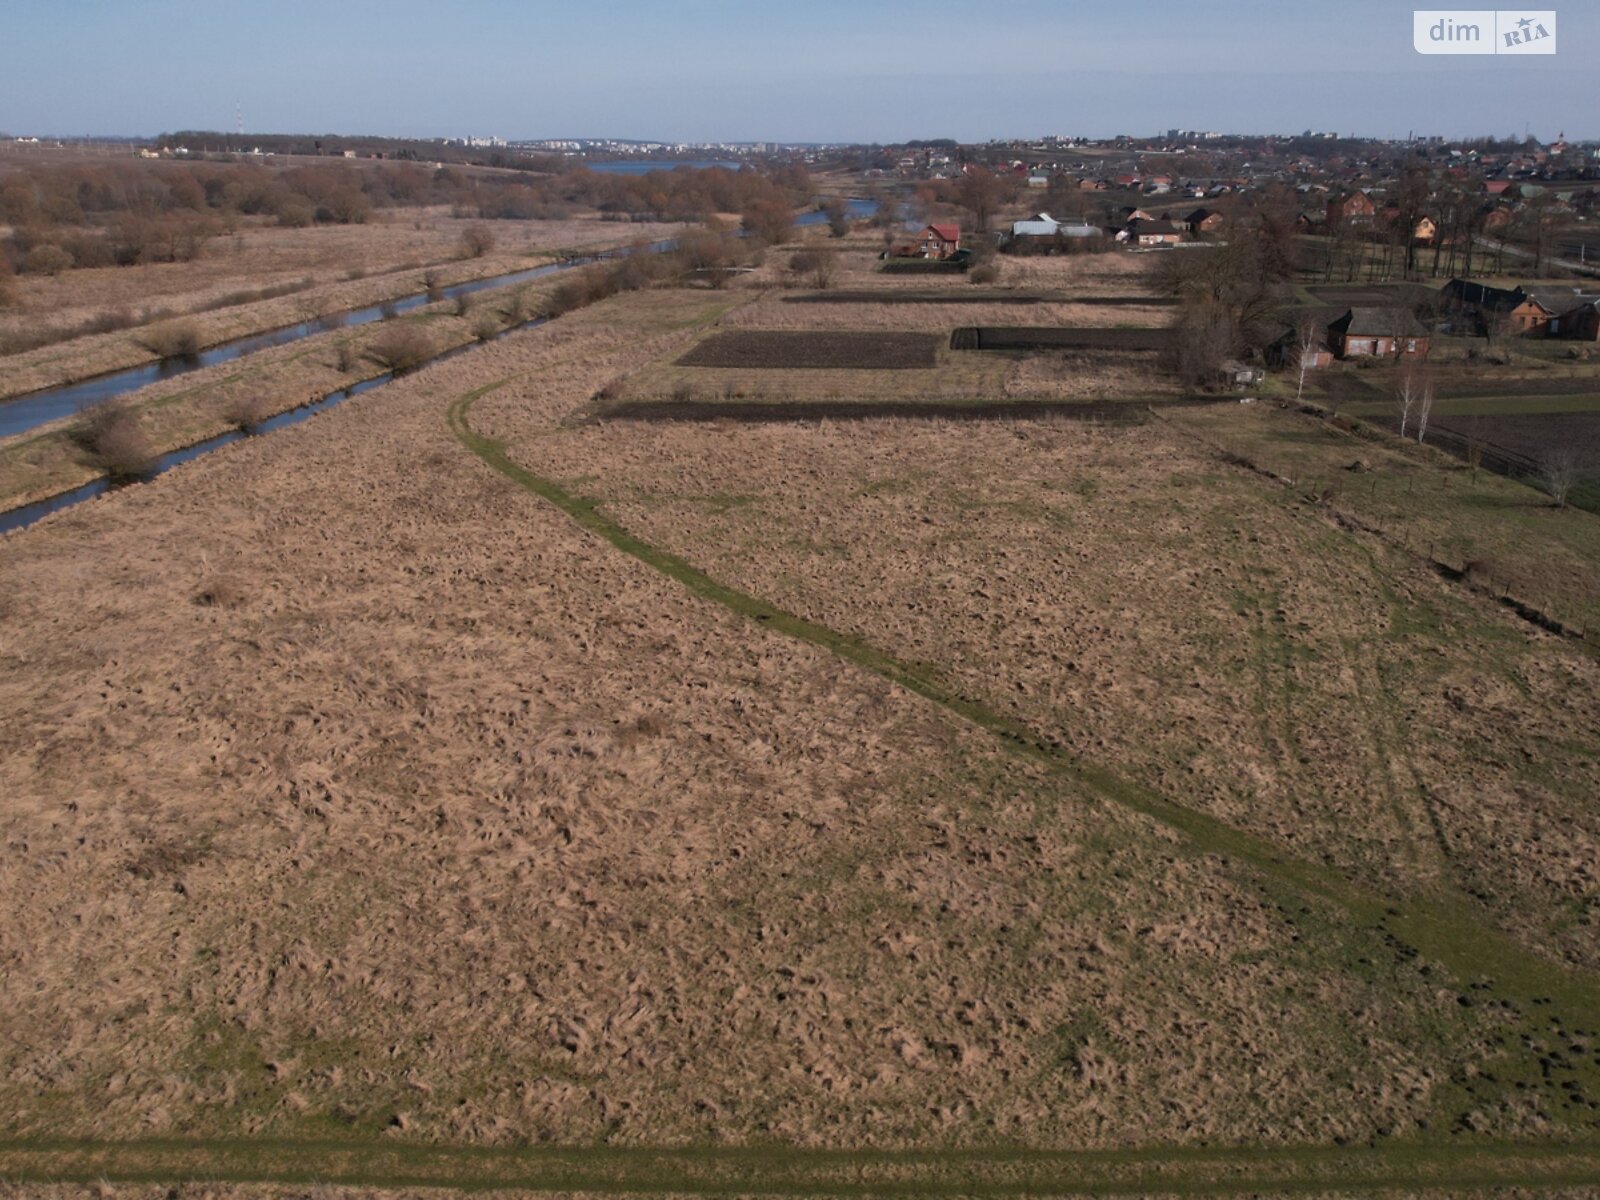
[974,296]
[1046,337]
[805,350]
[850,410]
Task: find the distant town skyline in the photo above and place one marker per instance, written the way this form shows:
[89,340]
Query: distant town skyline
[723,71]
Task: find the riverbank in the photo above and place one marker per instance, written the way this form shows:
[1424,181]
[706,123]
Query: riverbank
[65,363]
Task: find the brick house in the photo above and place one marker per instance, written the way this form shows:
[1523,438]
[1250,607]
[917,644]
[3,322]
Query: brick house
[1581,323]
[1378,333]
[1153,233]
[939,240]
[1203,220]
[1517,310]
[1355,207]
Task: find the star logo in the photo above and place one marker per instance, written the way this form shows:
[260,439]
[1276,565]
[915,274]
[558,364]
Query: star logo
[1525,22]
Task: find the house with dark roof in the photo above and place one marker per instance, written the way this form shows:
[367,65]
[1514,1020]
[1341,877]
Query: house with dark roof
[1151,233]
[1203,220]
[1530,311]
[1557,303]
[1379,333]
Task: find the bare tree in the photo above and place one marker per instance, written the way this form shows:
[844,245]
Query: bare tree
[1409,386]
[1558,471]
[476,241]
[1424,408]
[838,217]
[817,263]
[981,193]
[1307,343]
[1205,337]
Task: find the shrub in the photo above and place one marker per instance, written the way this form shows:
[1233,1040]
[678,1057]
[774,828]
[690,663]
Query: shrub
[179,339]
[433,284]
[984,272]
[401,348]
[110,433]
[297,215]
[345,357]
[245,412]
[518,307]
[388,311]
[46,260]
[464,304]
[476,241]
[485,326]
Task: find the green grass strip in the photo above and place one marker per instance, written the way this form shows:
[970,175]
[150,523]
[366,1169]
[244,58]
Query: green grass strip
[787,1171]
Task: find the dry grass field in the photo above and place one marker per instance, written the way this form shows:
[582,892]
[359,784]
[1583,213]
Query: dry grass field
[454,775]
[356,790]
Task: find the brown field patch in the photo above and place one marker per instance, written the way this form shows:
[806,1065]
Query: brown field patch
[787,349]
[886,312]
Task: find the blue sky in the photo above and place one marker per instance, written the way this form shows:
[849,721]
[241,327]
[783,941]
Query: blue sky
[823,70]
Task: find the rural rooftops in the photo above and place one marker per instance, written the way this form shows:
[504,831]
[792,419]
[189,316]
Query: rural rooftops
[1378,322]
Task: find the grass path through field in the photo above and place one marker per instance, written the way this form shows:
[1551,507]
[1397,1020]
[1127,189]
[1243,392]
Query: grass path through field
[1442,928]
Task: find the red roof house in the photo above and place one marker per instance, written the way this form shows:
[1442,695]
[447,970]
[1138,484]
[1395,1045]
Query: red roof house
[939,240]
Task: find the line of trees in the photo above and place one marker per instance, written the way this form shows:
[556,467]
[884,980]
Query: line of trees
[64,216]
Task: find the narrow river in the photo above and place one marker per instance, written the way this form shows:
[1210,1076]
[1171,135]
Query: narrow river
[72,398]
[38,408]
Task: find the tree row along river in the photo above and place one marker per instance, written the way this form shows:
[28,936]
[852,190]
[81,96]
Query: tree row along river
[39,408]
